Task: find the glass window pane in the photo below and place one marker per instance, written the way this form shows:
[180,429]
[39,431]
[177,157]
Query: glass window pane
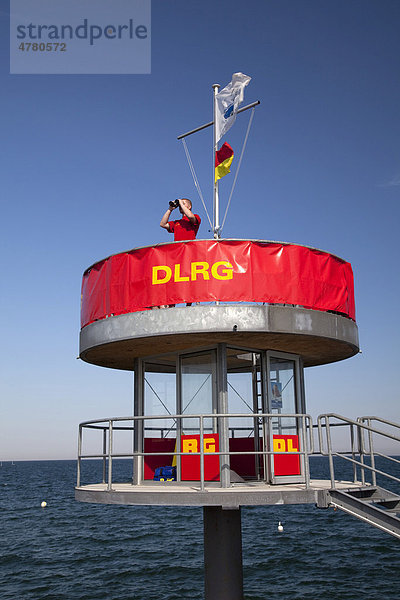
[244,390]
[159,399]
[283,394]
[245,397]
[197,389]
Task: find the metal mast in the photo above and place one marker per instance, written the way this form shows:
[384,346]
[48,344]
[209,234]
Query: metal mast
[216,225]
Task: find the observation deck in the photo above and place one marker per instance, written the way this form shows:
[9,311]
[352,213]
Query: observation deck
[359,495]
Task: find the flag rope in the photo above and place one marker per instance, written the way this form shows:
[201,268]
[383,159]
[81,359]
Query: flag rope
[238,167]
[196,181]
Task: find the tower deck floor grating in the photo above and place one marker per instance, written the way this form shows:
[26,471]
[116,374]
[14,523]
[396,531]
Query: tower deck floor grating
[190,494]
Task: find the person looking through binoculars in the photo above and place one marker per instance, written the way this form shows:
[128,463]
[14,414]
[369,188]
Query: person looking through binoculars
[185,228]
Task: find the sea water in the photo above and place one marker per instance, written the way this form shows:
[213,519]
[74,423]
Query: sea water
[75,551]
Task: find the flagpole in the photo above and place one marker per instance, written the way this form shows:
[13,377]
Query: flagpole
[216,227]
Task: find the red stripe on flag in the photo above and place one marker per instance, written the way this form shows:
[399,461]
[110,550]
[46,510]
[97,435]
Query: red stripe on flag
[223,153]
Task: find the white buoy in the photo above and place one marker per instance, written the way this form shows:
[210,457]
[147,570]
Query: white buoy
[280,526]
[43,504]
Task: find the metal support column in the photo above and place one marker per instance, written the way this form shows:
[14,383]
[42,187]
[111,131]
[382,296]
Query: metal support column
[138,410]
[223,565]
[222,404]
[257,408]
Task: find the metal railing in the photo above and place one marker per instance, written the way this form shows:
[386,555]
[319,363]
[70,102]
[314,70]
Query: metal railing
[267,421]
[360,453]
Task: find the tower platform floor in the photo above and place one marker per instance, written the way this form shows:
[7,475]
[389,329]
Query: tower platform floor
[189,494]
[319,337]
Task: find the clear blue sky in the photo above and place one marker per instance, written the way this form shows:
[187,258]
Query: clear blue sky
[88,164]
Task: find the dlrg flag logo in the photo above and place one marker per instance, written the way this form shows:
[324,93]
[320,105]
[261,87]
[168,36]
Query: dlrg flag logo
[286,464]
[190,465]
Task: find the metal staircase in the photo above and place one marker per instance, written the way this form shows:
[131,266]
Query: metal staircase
[368,502]
[364,504]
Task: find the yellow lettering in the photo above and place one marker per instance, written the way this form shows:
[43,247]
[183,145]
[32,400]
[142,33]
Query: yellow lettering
[279,445]
[220,270]
[290,447]
[189,445]
[177,275]
[165,279]
[200,268]
[226,273]
[209,445]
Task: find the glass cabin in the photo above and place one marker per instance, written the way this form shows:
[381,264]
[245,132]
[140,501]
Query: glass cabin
[243,402]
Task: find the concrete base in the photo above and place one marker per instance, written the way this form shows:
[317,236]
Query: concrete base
[223,567]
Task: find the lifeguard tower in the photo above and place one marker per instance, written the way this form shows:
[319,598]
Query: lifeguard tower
[220,417]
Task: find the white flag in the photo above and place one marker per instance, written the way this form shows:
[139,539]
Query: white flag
[228,100]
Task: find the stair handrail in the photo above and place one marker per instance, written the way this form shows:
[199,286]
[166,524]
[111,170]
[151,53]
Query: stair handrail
[372,452]
[380,419]
[360,427]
